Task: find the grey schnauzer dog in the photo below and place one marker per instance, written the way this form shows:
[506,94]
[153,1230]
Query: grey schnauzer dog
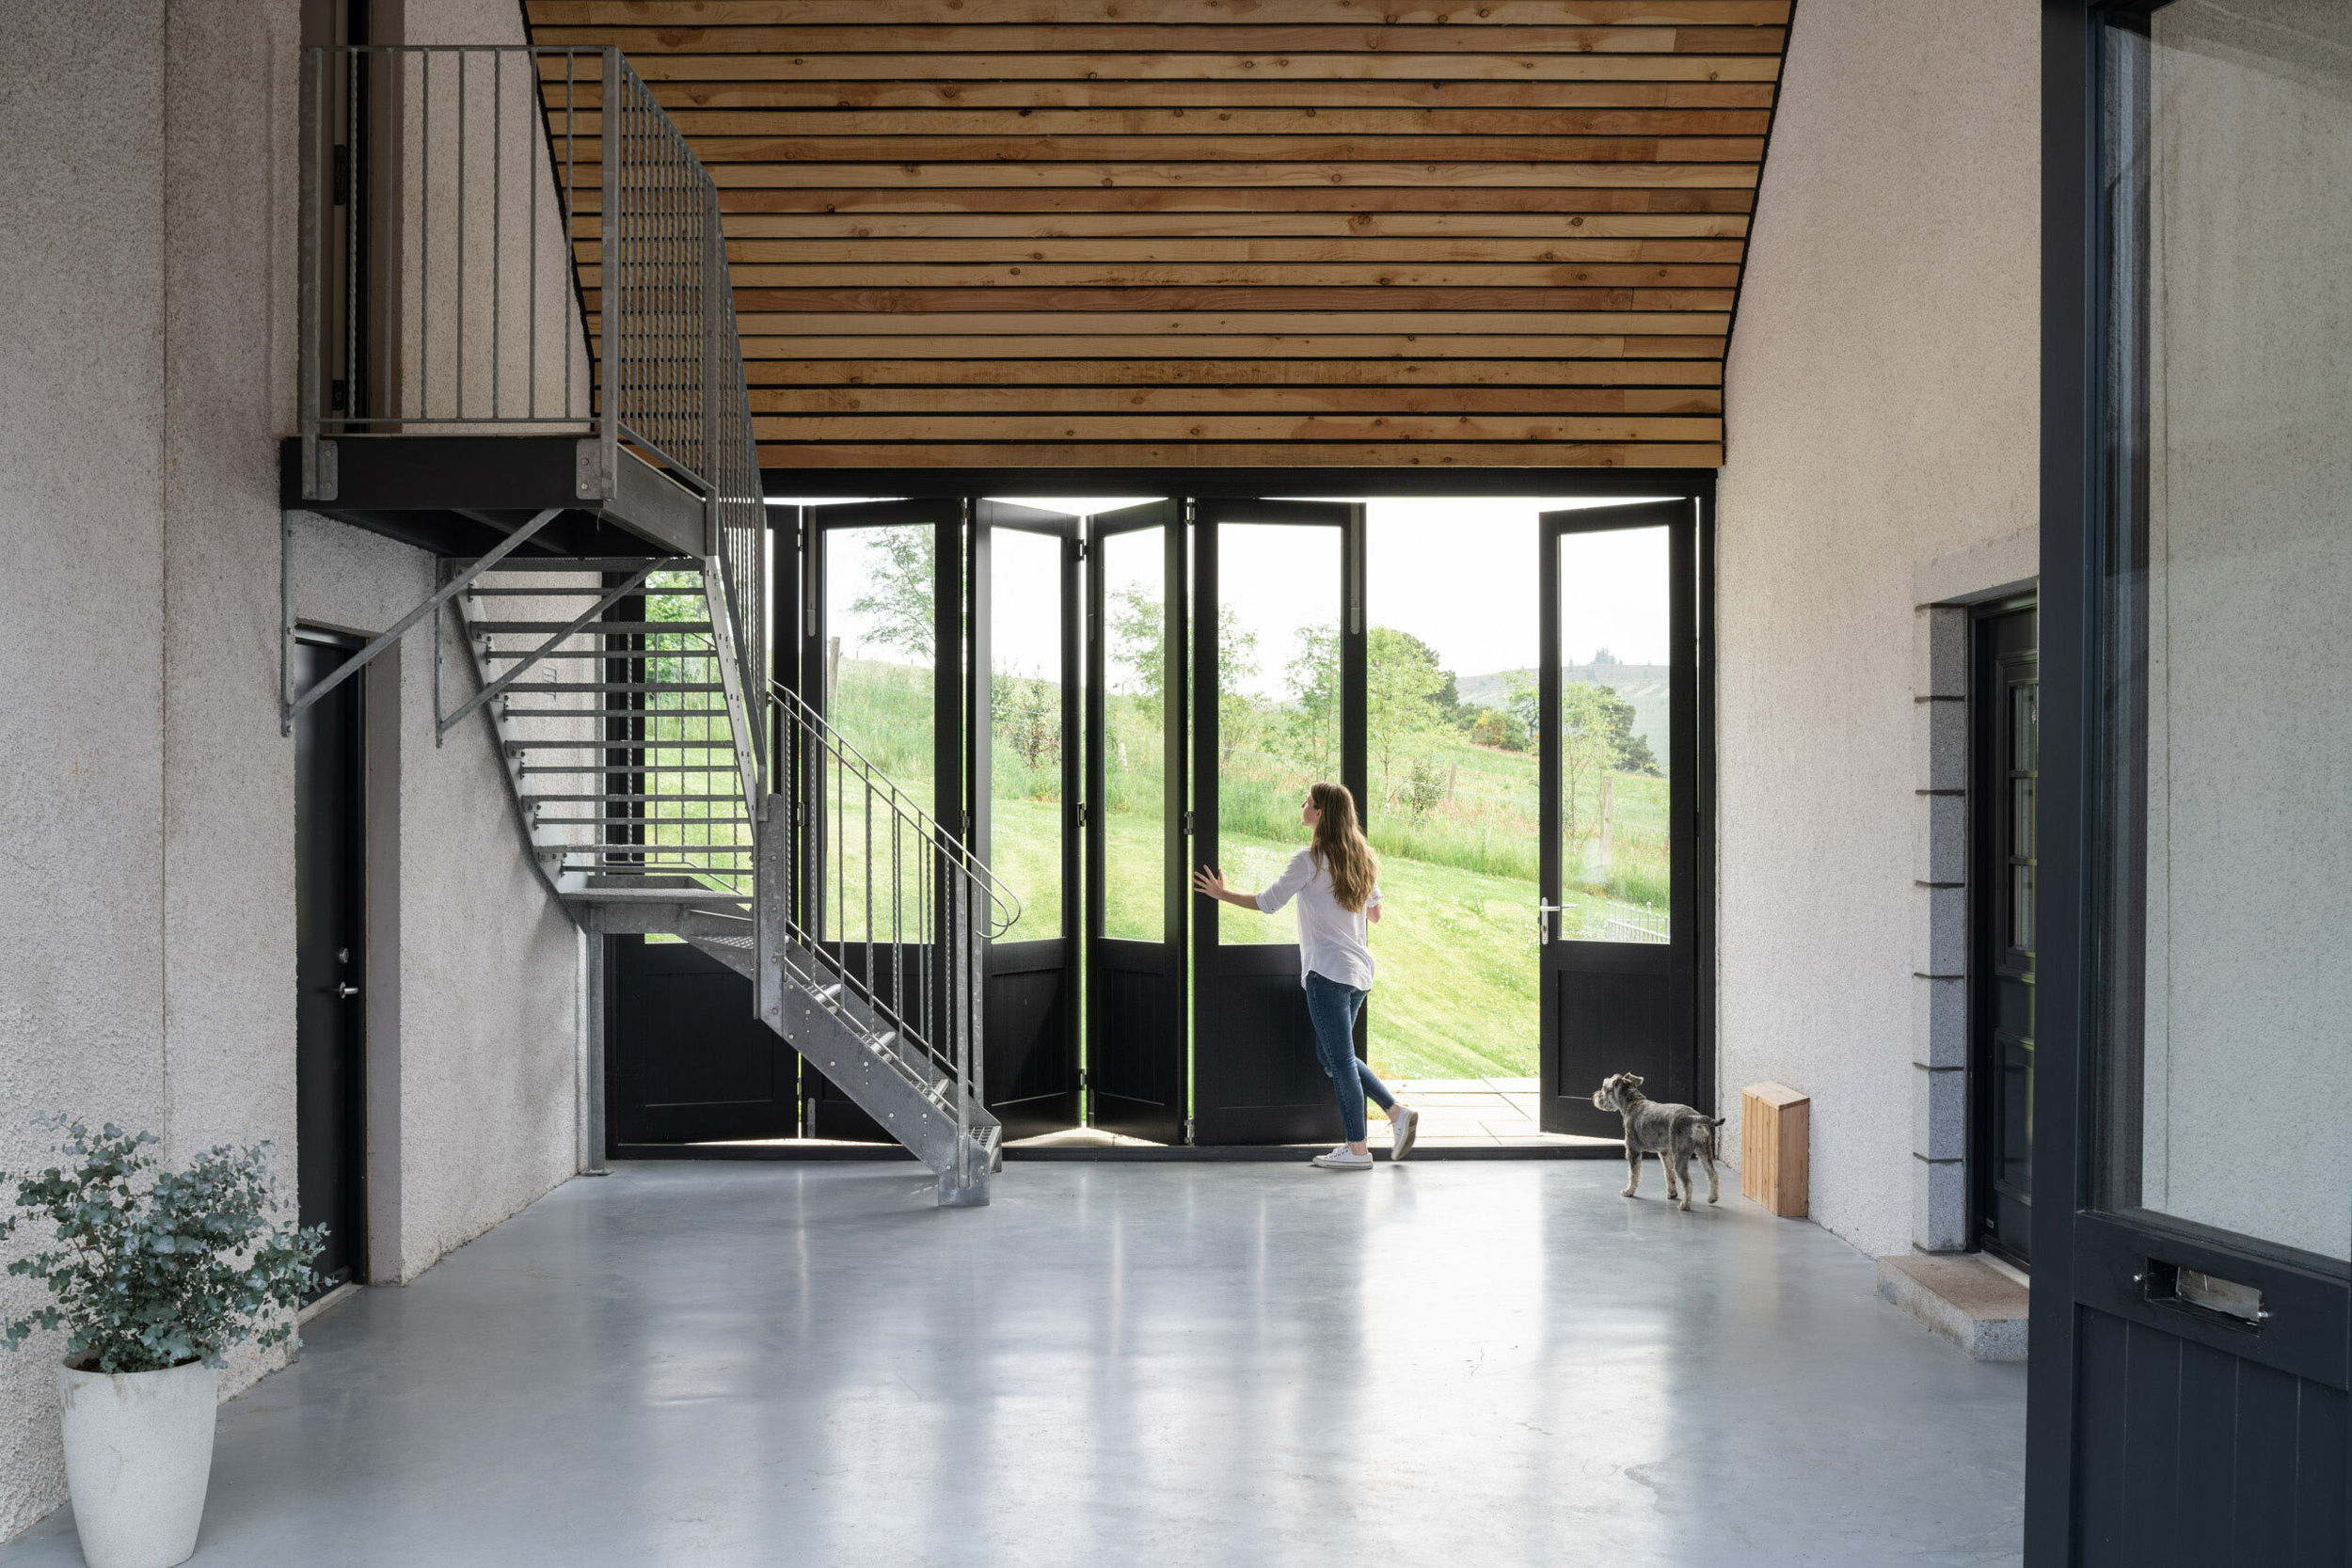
[1673,1133]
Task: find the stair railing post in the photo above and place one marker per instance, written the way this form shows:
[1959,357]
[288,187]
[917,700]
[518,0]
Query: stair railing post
[611,250]
[309,286]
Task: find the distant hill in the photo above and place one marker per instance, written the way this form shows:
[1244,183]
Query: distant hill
[1645,686]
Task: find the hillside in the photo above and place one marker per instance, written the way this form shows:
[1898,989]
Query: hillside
[1645,686]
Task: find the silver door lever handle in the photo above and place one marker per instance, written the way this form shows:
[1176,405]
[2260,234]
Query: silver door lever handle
[345,990]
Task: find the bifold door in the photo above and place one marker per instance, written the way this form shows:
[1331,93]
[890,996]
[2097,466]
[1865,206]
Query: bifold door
[1024,660]
[1278,705]
[883,597]
[1618,808]
[1135,801]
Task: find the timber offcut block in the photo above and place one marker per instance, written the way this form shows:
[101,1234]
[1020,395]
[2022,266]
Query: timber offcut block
[1775,1122]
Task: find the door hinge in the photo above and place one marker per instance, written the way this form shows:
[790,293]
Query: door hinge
[1187,822]
[1085,1077]
[342,177]
[1081,814]
[1084,550]
[1188,1132]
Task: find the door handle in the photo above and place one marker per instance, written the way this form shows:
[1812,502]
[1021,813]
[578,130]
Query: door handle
[345,990]
[1543,923]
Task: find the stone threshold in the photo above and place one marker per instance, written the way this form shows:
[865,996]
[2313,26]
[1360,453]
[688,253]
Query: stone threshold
[1962,1296]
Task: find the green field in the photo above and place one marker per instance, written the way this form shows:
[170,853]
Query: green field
[1453,822]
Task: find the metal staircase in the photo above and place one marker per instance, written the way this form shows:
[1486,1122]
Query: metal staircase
[661,782]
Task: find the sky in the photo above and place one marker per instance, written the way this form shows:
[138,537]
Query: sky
[1458,574]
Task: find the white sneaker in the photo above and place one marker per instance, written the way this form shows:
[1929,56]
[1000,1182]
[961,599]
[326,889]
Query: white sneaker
[1404,1127]
[1343,1158]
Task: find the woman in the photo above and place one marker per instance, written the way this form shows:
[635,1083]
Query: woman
[1336,881]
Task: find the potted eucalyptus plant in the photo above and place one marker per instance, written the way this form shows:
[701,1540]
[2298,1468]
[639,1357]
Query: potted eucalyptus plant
[154,1274]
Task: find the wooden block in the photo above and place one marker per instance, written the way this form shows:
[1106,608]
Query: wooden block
[1775,1122]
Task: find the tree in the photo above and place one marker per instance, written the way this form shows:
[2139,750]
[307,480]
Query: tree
[902,596]
[1402,681]
[1492,726]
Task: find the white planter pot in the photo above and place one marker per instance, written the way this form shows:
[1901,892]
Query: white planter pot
[138,1455]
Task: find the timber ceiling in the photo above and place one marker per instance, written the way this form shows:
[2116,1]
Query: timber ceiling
[1256,233]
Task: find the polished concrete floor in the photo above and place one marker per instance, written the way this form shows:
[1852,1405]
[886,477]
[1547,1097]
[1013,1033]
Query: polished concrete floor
[1467,1364]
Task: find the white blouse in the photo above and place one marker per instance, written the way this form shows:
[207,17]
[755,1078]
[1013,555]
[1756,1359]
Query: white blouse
[1330,939]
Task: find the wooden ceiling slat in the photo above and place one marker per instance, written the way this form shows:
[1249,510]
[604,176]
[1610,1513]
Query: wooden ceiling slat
[686,90]
[1059,346]
[1244,454]
[1044,13]
[704,124]
[1176,43]
[1256,233]
[724,152]
[1074,230]
[1518,177]
[824,377]
[1365,253]
[1571,283]
[1195,68]
[1205,400]
[1129,426]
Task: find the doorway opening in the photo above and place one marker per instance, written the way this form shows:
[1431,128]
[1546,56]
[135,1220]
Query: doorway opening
[1103,692]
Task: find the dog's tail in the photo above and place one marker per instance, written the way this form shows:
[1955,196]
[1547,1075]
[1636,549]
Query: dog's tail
[1714,1135]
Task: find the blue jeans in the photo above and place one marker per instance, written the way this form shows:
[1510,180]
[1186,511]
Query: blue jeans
[1333,1008]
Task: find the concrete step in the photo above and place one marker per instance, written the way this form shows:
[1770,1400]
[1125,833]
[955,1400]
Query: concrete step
[1960,1296]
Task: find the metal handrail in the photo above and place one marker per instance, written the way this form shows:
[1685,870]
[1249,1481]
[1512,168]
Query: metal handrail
[520,179]
[798,712]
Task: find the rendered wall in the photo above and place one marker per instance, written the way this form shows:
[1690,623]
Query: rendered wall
[146,966]
[1881,456]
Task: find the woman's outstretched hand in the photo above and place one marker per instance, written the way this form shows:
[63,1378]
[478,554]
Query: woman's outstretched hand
[1209,880]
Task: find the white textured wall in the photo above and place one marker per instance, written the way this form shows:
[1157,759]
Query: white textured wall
[1880,391]
[146,908]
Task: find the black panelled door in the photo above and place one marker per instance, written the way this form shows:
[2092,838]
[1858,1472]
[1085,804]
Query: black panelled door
[1135,843]
[1617,778]
[1279,664]
[2005,719]
[1023,660]
[330,1053]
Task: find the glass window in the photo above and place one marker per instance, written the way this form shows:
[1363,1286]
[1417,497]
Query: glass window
[1134,734]
[1278,704]
[880,688]
[1024,720]
[1614,722]
[2225,673]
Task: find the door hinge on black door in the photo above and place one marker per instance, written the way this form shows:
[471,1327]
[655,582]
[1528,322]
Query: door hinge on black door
[1081,814]
[1188,822]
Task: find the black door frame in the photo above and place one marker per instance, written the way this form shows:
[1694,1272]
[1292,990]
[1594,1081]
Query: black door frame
[1013,1090]
[2089,1263]
[1222,975]
[1688,1040]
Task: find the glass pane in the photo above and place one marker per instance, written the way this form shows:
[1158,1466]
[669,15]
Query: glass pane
[1025,737]
[1453,652]
[1616,699]
[2226,675]
[1134,734]
[879,691]
[1278,706]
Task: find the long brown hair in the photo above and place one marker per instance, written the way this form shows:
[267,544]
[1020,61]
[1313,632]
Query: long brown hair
[1339,846]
